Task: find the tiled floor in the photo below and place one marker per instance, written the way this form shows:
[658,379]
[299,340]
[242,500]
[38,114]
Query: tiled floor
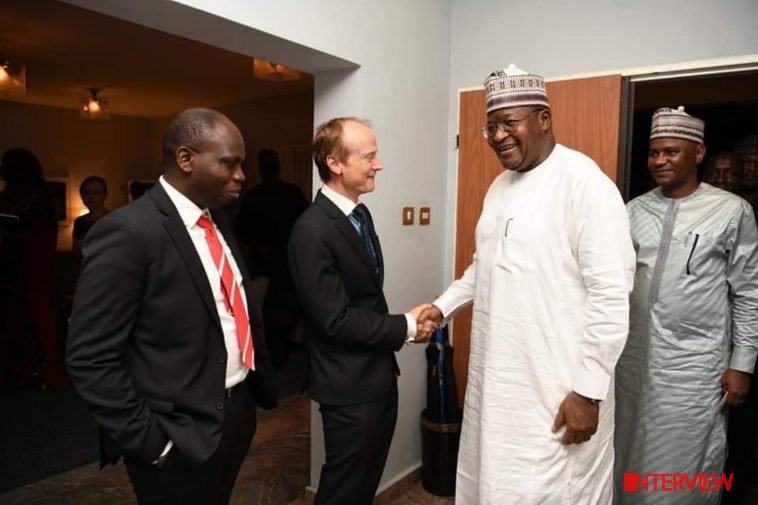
[275,473]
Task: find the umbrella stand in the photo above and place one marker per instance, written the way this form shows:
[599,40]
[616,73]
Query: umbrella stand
[441,420]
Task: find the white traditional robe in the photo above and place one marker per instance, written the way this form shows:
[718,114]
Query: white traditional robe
[694,313]
[550,284]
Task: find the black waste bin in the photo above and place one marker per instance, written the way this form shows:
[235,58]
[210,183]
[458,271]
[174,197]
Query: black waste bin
[439,444]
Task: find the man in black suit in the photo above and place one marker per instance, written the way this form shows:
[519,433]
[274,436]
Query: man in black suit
[159,344]
[337,268]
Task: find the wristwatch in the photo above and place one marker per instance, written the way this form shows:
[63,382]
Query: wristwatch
[593,400]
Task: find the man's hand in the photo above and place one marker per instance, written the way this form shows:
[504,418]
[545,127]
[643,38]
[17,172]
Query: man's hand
[428,321]
[580,415]
[736,385]
[423,331]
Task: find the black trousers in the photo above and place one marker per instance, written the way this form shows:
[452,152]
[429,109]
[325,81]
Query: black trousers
[181,482]
[357,439]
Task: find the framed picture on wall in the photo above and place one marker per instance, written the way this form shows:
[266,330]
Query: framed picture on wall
[58,189]
[137,187]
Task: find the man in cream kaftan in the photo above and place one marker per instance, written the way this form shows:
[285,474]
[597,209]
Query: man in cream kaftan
[694,320]
[550,284]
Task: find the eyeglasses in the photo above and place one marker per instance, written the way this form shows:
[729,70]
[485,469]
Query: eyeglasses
[507,126]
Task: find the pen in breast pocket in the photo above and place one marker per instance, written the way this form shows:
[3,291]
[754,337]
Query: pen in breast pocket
[507,224]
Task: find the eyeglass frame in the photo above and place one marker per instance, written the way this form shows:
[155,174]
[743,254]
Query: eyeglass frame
[502,127]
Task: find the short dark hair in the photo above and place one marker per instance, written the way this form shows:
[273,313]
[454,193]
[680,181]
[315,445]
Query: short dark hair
[191,128]
[94,178]
[327,141]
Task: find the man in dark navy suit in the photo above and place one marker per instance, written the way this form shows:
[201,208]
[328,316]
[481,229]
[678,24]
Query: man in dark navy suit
[338,271]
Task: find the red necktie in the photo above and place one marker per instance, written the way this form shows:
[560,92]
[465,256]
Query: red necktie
[232,294]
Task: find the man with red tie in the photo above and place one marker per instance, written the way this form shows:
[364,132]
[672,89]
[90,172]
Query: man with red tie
[164,345]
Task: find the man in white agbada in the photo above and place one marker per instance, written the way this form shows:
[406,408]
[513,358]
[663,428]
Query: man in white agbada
[694,319]
[550,285]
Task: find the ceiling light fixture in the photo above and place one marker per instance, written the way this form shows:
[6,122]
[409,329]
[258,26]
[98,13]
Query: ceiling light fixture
[12,78]
[269,71]
[94,107]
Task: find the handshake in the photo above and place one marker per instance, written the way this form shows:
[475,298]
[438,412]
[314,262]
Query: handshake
[428,318]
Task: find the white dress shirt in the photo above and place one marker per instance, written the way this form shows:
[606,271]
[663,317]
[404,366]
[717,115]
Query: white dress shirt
[190,213]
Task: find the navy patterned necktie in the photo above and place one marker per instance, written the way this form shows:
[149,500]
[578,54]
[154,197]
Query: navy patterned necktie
[360,215]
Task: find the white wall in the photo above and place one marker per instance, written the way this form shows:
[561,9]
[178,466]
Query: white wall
[403,52]
[555,37]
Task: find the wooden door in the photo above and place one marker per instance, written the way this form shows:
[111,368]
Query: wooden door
[586,115]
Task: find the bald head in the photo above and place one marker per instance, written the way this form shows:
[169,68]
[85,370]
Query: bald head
[203,152]
[724,170]
[191,128]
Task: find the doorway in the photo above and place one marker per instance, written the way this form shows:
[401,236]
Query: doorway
[727,102]
[146,76]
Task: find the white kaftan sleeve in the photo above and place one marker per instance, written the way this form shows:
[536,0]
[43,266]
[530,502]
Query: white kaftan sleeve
[742,277]
[459,294]
[602,245]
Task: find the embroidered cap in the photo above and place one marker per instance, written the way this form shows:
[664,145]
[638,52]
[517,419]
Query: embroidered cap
[512,87]
[676,123]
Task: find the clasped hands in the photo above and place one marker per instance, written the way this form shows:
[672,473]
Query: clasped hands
[428,319]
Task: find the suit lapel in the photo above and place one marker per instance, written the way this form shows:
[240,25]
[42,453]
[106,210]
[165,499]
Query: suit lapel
[347,230]
[186,249]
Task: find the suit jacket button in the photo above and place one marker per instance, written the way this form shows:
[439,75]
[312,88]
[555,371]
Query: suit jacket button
[220,405]
[221,358]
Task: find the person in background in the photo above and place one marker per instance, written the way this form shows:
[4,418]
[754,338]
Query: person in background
[264,224]
[724,170]
[30,314]
[93,191]
[748,149]
[693,335]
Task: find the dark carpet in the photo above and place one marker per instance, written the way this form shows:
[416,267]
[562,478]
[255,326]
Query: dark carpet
[44,433]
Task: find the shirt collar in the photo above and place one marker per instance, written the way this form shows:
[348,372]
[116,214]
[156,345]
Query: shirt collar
[188,211]
[345,204]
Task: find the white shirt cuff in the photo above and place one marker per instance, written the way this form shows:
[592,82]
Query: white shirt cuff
[410,334]
[592,381]
[742,359]
[168,447]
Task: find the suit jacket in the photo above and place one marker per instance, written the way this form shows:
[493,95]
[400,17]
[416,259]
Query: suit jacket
[145,347]
[352,339]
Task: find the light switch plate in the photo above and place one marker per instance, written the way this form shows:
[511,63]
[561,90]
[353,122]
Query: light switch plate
[424,214]
[407,215]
